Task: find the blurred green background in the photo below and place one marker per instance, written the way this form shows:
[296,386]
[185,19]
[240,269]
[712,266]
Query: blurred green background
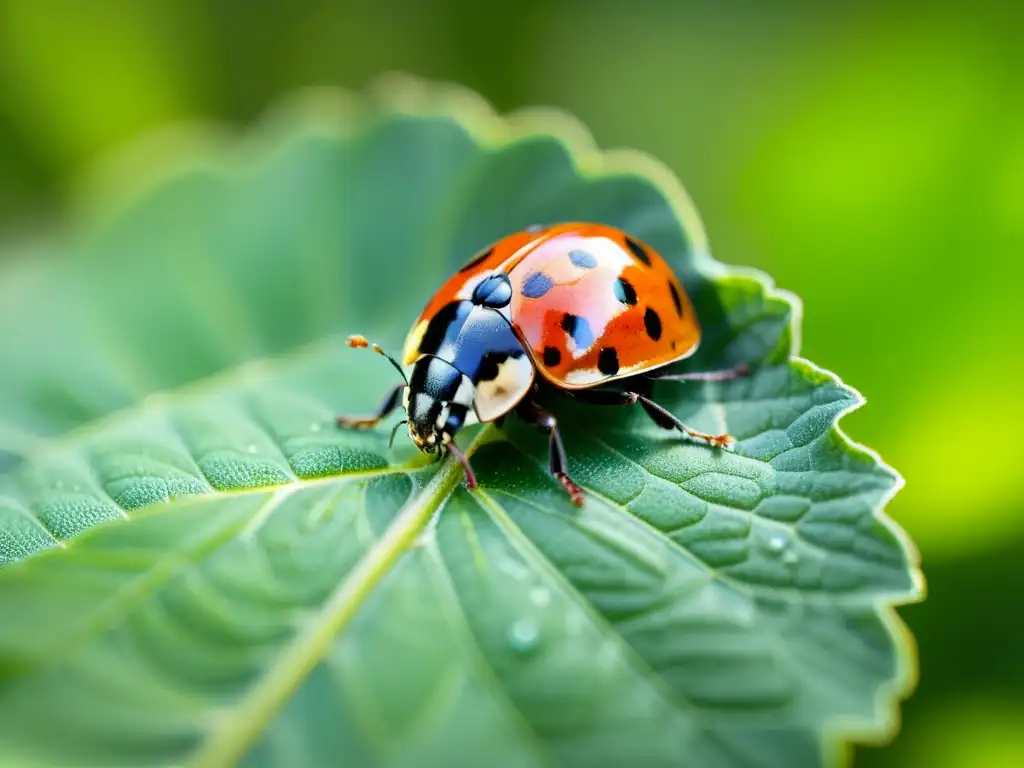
[870,159]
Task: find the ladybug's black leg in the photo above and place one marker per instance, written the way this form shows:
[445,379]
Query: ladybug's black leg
[603,397]
[658,415]
[737,371]
[388,404]
[557,461]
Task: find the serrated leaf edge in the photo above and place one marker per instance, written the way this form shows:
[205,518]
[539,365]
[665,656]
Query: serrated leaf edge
[115,181]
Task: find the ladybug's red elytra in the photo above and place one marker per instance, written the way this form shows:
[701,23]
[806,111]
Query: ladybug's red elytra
[582,308]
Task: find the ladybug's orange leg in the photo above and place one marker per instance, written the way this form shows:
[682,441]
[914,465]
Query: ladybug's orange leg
[388,404]
[557,460]
[658,415]
[666,420]
[737,371]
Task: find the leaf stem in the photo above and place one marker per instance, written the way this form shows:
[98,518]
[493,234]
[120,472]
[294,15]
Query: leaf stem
[235,734]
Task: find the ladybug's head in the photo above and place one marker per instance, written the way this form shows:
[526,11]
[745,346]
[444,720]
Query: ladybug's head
[437,400]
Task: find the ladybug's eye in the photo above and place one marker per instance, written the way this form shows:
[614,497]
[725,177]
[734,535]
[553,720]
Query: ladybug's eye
[494,291]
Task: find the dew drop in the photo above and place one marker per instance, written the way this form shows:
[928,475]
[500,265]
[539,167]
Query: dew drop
[251,448]
[314,427]
[540,596]
[790,557]
[608,655]
[744,615]
[524,636]
[777,543]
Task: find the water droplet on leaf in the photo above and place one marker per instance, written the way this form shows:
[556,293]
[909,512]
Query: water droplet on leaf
[314,427]
[524,636]
[540,596]
[745,615]
[251,448]
[608,655]
[777,543]
[790,557]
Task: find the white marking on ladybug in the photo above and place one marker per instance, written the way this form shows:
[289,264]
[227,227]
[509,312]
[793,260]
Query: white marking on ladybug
[422,402]
[500,394]
[442,415]
[466,392]
[585,376]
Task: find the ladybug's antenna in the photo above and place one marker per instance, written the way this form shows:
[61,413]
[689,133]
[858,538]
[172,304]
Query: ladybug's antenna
[358,342]
[394,431]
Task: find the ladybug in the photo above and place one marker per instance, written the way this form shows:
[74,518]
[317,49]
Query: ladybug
[581,308]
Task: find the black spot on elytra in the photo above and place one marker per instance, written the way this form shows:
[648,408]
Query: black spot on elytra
[536,285]
[638,251]
[608,362]
[437,329]
[494,291]
[552,357]
[583,259]
[676,299]
[579,329]
[477,259]
[652,323]
[624,291]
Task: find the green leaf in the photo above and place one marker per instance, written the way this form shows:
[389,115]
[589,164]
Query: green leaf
[199,568]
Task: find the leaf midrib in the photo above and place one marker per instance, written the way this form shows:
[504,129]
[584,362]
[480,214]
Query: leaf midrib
[158,572]
[239,731]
